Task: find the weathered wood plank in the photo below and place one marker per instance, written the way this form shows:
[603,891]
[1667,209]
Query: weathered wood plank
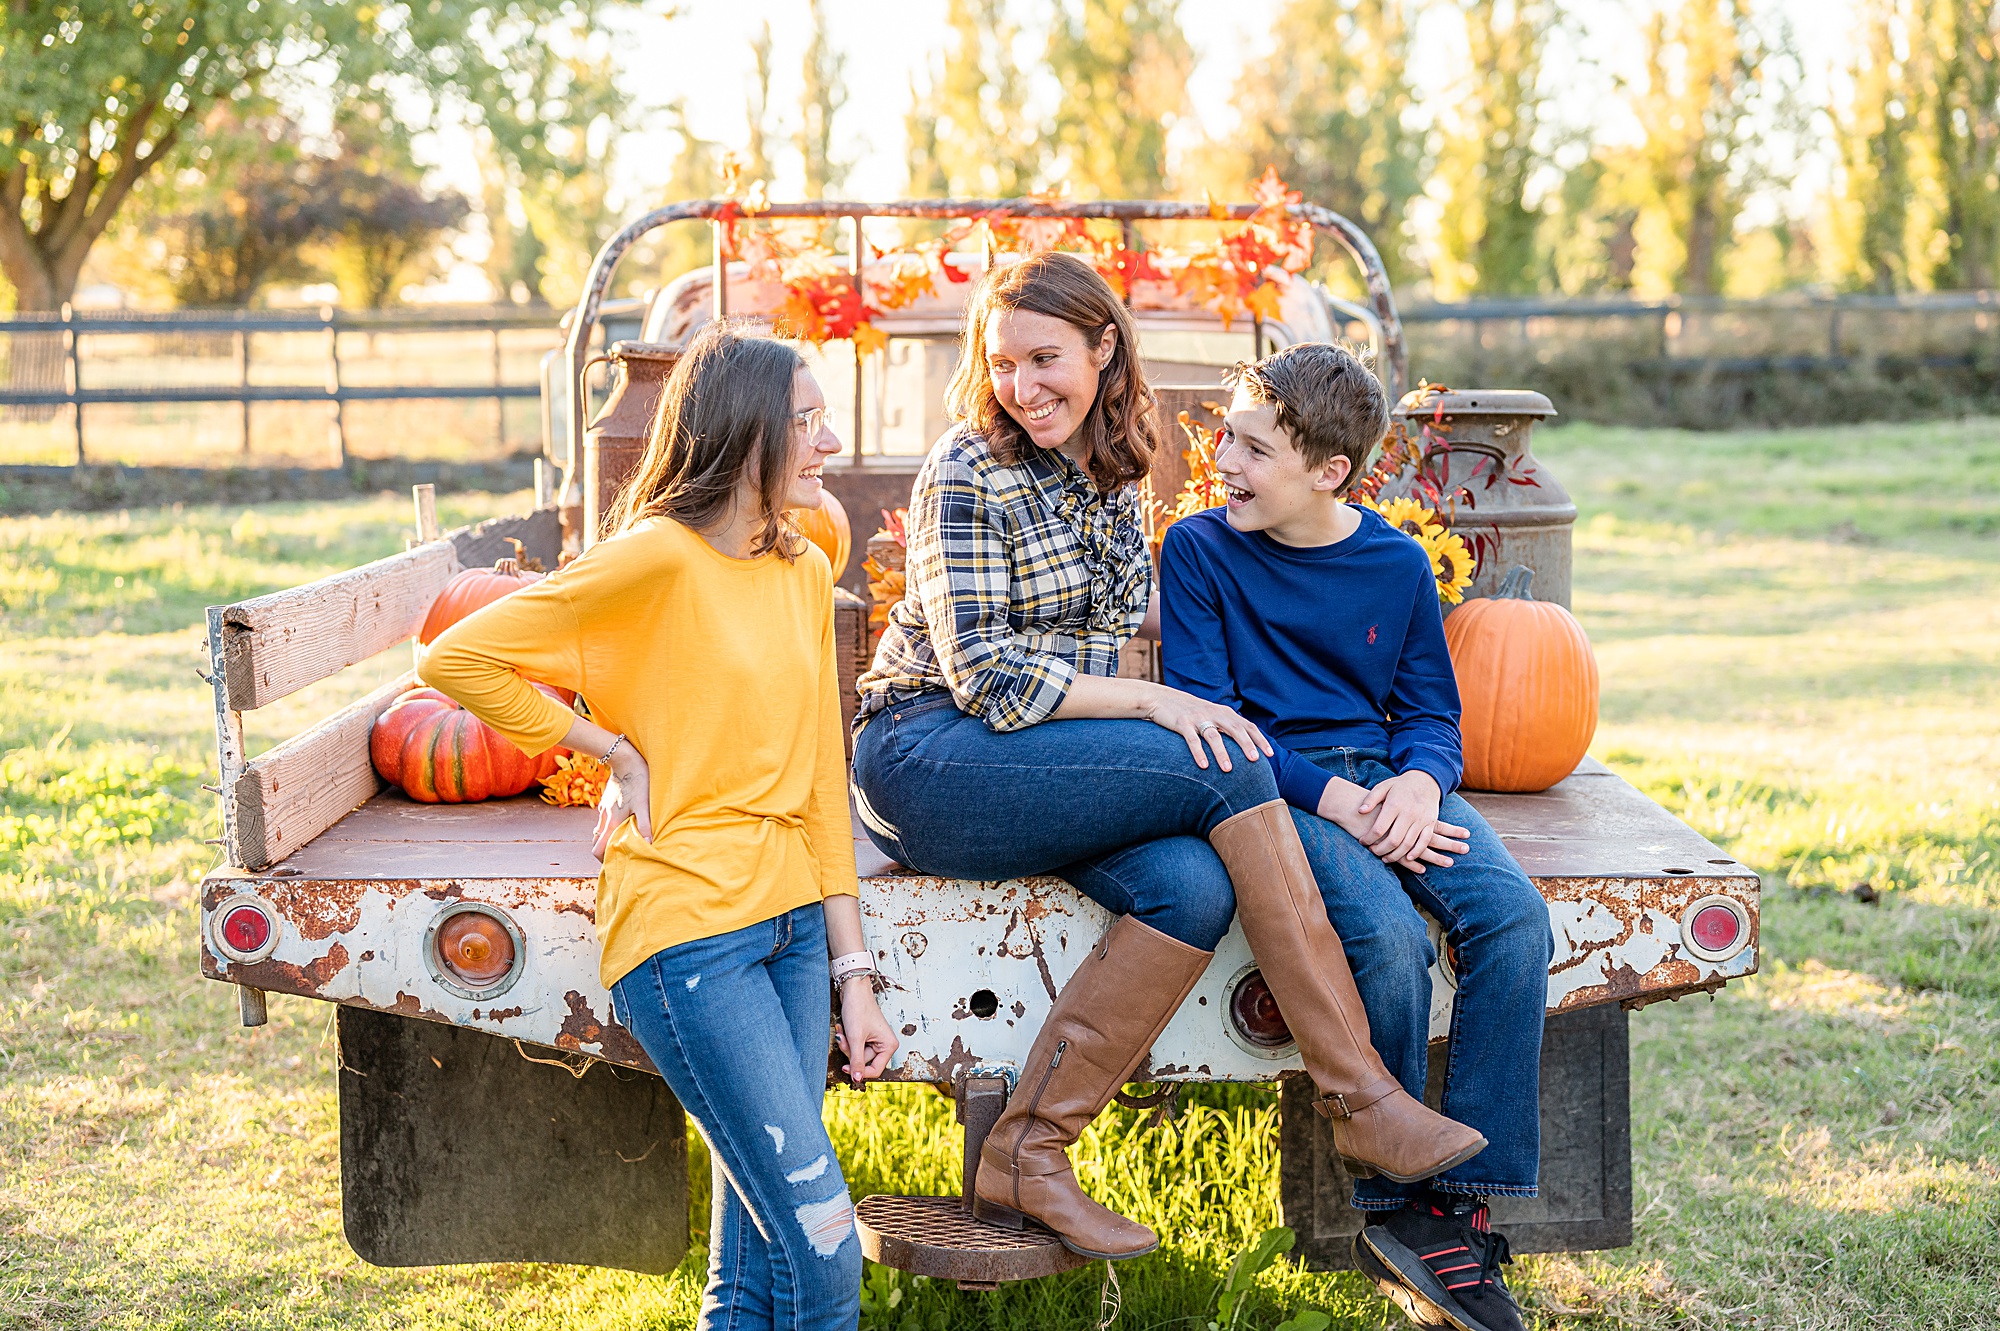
[276,645]
[540,535]
[307,784]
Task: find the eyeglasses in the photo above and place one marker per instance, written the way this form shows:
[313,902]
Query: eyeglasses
[811,422]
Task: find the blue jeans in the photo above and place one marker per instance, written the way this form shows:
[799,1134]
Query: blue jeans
[1117,808]
[739,1026]
[1498,928]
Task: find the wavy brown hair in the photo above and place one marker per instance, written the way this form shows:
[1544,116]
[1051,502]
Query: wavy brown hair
[726,412]
[1122,428]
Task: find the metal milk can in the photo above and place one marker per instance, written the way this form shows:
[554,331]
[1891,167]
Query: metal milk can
[1473,444]
[614,441]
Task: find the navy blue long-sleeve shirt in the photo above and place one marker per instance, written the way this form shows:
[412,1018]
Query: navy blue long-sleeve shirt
[1337,645]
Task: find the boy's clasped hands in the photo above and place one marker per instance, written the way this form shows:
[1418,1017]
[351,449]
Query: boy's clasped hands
[1397,820]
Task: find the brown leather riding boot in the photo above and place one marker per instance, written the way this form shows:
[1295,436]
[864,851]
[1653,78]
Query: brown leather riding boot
[1104,1022]
[1378,1127]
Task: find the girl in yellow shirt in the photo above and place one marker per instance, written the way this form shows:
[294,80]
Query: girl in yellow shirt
[701,633]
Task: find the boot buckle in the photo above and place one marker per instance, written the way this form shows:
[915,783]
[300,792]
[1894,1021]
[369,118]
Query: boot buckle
[1333,1105]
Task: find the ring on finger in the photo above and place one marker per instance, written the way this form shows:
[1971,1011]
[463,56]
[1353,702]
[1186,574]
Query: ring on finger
[1208,727]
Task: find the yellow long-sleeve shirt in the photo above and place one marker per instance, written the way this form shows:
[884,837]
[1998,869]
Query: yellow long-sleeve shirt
[721,673]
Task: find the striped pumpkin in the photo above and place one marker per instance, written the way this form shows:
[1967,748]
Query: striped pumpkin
[433,750]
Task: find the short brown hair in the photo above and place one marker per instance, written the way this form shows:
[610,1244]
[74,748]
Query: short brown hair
[1325,400]
[1122,429]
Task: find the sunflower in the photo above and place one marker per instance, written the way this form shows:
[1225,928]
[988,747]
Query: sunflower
[578,780]
[1451,563]
[1411,518]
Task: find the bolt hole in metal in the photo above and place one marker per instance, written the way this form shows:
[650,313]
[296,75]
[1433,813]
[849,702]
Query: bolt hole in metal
[984,1003]
[1680,873]
[474,950]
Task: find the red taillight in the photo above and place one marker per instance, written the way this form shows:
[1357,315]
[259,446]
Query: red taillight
[1254,1013]
[475,948]
[1716,928]
[245,928]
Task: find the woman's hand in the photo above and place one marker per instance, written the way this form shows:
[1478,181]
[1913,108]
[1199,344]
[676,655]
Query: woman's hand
[864,1036]
[1196,719]
[628,794]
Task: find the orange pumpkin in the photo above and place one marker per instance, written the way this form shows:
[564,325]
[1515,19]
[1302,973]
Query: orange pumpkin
[472,589]
[826,527]
[1527,684]
[434,750]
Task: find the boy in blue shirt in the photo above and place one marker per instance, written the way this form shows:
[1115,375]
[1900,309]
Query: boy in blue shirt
[1319,622]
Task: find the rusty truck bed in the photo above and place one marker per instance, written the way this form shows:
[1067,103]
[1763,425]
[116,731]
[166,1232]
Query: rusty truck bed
[1619,872]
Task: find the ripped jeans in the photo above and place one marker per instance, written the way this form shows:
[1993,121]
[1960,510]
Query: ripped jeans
[738,1024]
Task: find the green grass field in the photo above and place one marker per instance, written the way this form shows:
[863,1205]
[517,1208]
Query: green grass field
[1799,644]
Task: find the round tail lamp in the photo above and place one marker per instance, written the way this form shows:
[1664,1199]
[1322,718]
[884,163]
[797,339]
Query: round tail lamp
[243,929]
[1255,1023]
[1715,928]
[473,950]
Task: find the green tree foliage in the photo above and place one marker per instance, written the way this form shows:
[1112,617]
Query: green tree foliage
[95,96]
[1487,238]
[820,100]
[553,116]
[255,209]
[1963,130]
[1872,218]
[380,226]
[1330,108]
[757,111]
[969,132]
[1714,92]
[1919,201]
[1123,66]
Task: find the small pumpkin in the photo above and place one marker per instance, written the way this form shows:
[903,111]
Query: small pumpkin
[433,750]
[826,527]
[1527,686]
[474,589]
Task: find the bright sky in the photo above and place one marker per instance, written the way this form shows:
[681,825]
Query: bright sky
[703,57]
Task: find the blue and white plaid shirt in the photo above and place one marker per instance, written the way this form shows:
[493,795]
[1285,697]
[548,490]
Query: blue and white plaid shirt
[1018,579]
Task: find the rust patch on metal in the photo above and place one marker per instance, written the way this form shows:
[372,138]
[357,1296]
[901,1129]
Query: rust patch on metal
[944,1070]
[409,1005]
[581,1027]
[319,910]
[286,977]
[914,943]
[500,1014]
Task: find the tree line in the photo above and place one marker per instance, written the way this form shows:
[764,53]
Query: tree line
[157,135]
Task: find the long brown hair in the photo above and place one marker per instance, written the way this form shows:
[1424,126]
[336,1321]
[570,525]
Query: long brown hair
[1122,428]
[726,412]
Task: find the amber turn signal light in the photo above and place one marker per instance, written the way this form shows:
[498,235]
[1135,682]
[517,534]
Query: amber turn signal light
[475,948]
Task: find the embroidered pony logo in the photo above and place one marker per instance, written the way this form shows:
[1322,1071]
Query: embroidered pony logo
[1371,634]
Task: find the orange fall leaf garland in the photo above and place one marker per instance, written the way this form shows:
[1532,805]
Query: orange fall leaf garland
[1244,270]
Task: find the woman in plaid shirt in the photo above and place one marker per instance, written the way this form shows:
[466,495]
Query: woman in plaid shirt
[995,741]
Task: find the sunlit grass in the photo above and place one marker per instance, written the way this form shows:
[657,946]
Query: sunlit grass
[1798,641]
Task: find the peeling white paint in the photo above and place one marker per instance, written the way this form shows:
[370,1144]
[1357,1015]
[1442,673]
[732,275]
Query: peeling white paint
[807,1173]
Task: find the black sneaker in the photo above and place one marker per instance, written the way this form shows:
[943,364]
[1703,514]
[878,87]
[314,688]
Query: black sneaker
[1444,1253]
[1415,1306]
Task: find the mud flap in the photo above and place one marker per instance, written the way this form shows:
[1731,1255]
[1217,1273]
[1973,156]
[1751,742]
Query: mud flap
[1586,1174]
[455,1148]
